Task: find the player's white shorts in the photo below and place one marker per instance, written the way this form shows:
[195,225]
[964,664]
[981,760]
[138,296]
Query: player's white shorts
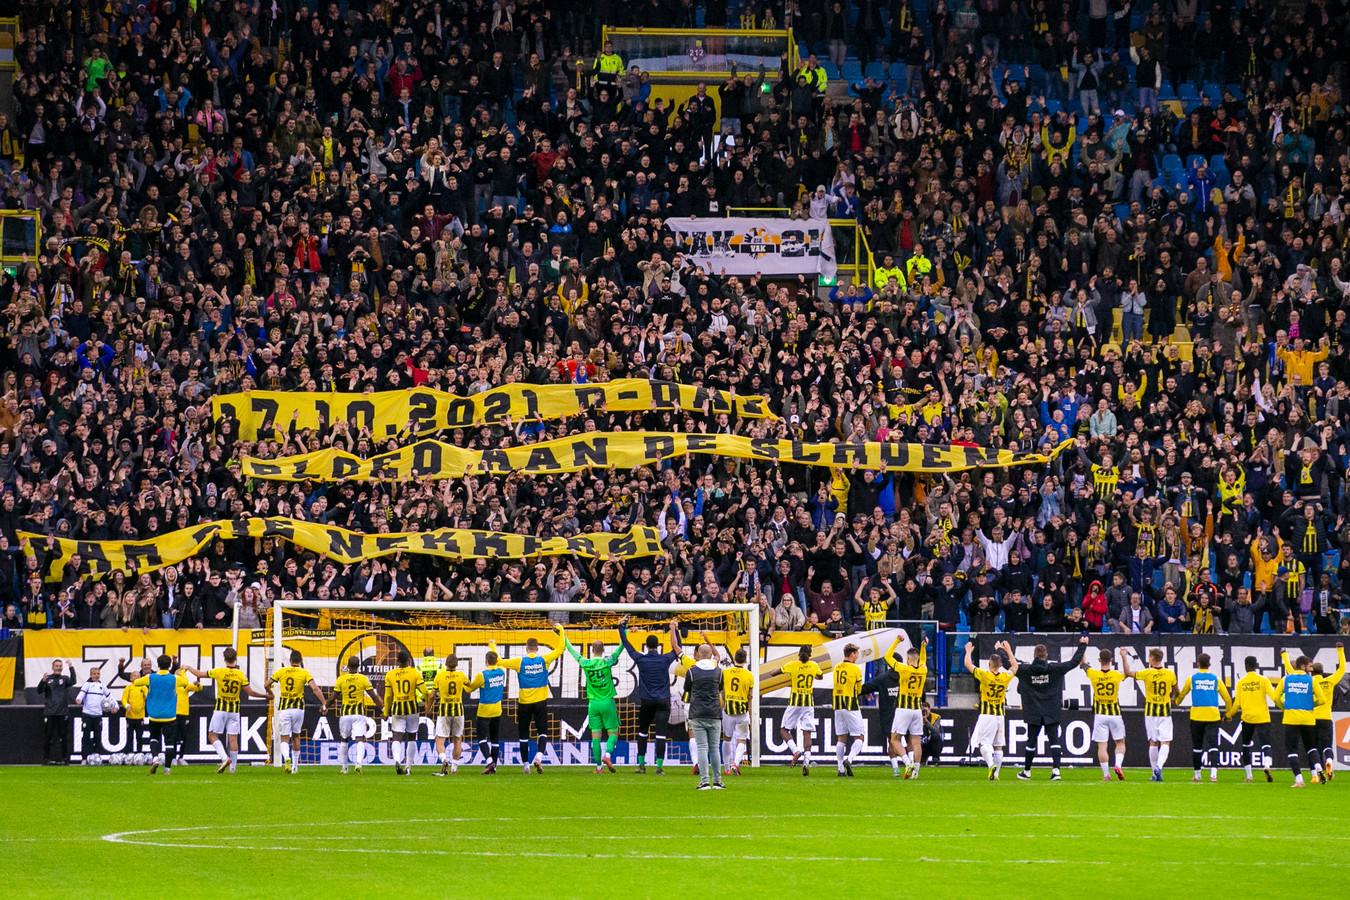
[737,726]
[848,722]
[1158,728]
[989,729]
[800,718]
[449,726]
[907,722]
[1108,728]
[405,724]
[290,722]
[224,723]
[355,727]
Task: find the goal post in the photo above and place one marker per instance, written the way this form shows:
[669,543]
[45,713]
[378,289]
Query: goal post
[326,632]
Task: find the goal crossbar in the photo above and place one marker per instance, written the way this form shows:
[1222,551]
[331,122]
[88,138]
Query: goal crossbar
[751,610]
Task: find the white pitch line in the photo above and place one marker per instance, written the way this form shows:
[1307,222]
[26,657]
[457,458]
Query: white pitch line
[495,854]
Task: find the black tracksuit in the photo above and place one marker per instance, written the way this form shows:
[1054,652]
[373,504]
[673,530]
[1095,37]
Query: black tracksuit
[1042,688]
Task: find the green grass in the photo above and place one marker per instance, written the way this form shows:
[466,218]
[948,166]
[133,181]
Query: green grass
[114,832]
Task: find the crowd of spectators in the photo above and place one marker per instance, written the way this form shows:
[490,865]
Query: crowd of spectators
[371,196]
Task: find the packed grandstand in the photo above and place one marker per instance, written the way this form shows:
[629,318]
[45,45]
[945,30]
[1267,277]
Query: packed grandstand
[1117,226]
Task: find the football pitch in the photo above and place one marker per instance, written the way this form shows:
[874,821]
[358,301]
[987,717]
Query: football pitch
[115,832]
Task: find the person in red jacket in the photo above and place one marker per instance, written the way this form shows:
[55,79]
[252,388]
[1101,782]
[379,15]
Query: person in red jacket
[1094,606]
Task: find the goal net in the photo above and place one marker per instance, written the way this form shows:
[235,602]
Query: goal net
[327,636]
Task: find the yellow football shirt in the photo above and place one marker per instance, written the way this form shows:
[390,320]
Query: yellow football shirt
[449,686]
[993,691]
[912,678]
[230,683]
[736,682]
[1250,698]
[848,680]
[1159,686]
[402,688]
[133,698]
[292,680]
[185,689]
[1105,691]
[802,677]
[351,688]
[874,614]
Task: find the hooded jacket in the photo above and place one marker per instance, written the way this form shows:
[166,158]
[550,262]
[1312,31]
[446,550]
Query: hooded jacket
[1094,605]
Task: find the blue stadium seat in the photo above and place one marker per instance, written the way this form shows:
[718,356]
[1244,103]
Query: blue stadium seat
[898,72]
[1212,91]
[875,70]
[1165,92]
[1122,211]
[1171,163]
[852,70]
[1053,106]
[1188,92]
[831,71]
[1216,162]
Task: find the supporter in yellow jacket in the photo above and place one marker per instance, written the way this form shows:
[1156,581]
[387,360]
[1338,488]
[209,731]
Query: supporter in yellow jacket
[1299,363]
[1263,567]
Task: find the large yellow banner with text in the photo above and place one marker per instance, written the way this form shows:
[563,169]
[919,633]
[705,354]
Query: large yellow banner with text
[422,410]
[430,459]
[102,557]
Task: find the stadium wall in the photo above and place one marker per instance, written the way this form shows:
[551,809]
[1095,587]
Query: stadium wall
[23,728]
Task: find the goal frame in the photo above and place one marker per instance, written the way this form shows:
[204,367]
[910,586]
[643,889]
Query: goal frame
[280,608]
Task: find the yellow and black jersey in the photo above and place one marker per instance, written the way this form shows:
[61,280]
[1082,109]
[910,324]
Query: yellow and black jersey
[993,691]
[736,683]
[1105,481]
[1105,691]
[909,694]
[1159,685]
[351,688]
[802,676]
[230,684]
[1146,536]
[848,681]
[449,687]
[874,614]
[402,690]
[291,681]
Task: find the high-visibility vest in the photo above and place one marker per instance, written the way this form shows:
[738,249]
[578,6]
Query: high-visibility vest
[429,666]
[923,264]
[884,275]
[610,63]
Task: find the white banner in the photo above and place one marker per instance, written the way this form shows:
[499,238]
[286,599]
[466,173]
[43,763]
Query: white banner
[745,246]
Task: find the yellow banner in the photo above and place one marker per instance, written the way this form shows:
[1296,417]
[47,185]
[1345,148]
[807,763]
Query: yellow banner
[430,459]
[420,411]
[102,557]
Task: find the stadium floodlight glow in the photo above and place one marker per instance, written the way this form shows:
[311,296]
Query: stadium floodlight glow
[275,660]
